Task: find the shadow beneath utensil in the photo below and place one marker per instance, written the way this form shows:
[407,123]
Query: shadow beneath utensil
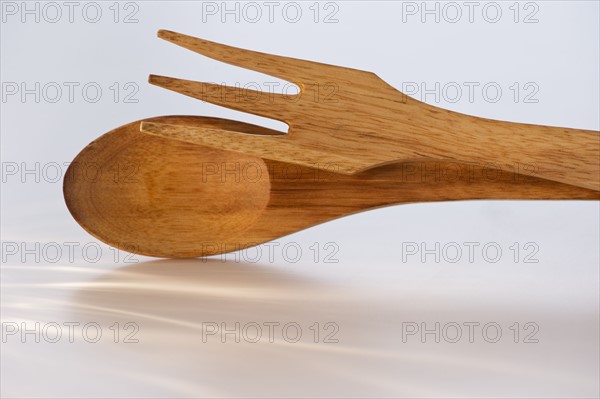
[200,317]
[192,291]
[196,319]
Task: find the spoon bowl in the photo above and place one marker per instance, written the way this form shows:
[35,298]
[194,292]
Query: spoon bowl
[151,195]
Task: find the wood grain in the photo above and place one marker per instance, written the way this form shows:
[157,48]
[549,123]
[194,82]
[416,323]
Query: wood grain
[356,120]
[168,198]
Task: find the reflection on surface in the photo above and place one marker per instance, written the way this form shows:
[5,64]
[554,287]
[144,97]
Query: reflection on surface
[212,328]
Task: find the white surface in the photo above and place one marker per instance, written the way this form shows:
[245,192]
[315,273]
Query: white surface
[373,288]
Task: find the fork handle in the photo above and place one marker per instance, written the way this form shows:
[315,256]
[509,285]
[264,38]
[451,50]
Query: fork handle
[565,155]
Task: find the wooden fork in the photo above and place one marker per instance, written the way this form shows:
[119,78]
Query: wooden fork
[365,123]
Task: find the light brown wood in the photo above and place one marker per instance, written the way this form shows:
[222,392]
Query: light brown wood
[355,121]
[168,198]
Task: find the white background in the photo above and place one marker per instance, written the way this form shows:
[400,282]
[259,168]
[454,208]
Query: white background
[373,288]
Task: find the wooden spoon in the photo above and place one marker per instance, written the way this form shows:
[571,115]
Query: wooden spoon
[167,198]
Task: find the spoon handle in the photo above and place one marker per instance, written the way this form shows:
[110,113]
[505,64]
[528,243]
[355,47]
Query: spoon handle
[440,181]
[418,181]
[302,197]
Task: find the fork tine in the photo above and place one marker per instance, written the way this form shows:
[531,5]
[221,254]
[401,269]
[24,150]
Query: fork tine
[277,148]
[290,69]
[270,105]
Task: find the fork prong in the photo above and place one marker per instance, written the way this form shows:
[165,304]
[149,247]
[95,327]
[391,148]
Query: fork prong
[290,69]
[270,105]
[217,138]
[279,148]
